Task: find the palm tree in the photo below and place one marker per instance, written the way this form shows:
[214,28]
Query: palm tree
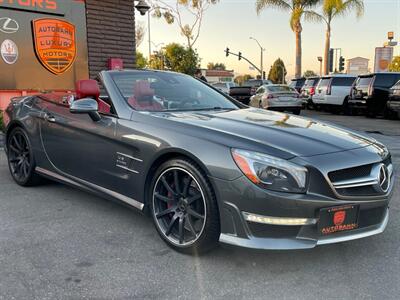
[297,9]
[330,10]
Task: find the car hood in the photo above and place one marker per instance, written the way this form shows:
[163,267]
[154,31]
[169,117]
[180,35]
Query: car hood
[284,132]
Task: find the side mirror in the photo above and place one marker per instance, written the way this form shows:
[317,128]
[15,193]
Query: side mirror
[86,106]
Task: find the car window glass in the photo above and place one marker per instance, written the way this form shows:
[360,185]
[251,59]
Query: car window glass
[310,82]
[386,80]
[260,90]
[280,88]
[364,81]
[324,82]
[343,81]
[151,91]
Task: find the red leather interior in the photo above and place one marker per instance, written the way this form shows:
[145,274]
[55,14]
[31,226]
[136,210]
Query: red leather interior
[90,89]
[142,98]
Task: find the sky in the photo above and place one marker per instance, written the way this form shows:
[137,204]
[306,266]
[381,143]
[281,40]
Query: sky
[230,23]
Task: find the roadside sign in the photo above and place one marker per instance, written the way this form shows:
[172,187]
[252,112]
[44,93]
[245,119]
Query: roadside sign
[383,58]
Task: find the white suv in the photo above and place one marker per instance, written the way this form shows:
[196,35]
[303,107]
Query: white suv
[333,92]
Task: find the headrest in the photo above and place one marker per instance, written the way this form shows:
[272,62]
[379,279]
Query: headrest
[87,89]
[142,90]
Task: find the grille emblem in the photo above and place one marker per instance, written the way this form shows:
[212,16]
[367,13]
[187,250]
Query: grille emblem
[383,179]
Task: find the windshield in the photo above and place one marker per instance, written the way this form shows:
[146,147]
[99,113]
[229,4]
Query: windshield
[280,88]
[158,91]
[311,82]
[252,83]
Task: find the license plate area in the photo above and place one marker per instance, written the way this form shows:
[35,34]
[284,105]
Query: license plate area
[338,219]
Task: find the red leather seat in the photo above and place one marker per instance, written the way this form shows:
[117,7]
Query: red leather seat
[143,97]
[90,89]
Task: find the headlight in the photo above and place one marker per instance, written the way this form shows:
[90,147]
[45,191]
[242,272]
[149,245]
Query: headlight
[270,172]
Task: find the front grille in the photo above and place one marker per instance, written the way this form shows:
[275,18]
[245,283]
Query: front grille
[360,181]
[347,174]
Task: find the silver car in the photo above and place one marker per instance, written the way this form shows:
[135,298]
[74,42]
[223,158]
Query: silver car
[224,86]
[277,97]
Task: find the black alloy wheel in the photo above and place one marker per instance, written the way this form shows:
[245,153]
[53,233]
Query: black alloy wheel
[184,208]
[21,161]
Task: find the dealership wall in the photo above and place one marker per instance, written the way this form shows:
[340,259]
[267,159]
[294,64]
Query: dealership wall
[110,32]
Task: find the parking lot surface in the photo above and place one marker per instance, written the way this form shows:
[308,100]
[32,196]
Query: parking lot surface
[60,243]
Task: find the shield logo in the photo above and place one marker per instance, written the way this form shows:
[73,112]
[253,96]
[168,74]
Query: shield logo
[55,44]
[339,217]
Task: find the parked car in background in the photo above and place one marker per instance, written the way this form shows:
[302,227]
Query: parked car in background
[333,92]
[224,86]
[371,93]
[248,89]
[297,83]
[308,91]
[277,97]
[394,100]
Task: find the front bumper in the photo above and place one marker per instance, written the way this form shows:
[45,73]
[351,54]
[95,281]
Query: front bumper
[240,197]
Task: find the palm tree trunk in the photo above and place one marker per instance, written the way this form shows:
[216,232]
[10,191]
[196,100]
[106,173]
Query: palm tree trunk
[298,30]
[327,47]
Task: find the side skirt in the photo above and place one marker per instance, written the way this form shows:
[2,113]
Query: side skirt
[87,186]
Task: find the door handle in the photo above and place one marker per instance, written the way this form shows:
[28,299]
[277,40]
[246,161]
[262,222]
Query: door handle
[49,118]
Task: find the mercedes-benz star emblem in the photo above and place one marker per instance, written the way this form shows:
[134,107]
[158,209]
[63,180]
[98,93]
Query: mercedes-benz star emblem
[8,25]
[383,179]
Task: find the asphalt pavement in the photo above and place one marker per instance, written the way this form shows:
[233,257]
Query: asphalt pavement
[60,243]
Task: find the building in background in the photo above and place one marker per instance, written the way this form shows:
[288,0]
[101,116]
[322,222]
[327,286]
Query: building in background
[48,45]
[357,65]
[214,76]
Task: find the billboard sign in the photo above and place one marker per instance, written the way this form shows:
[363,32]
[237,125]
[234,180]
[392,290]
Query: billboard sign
[383,58]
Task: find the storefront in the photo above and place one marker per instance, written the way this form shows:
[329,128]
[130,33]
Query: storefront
[46,45]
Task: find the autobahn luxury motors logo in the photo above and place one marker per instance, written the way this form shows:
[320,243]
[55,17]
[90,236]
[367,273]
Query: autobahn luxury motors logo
[55,44]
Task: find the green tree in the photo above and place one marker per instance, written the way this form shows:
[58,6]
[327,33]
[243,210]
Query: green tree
[216,66]
[141,61]
[239,80]
[297,9]
[180,12]
[277,73]
[309,73]
[180,59]
[395,65]
[330,10]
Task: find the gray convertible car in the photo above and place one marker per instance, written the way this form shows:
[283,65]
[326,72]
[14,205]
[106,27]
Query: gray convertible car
[206,168]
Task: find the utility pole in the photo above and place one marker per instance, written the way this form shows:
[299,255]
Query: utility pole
[262,58]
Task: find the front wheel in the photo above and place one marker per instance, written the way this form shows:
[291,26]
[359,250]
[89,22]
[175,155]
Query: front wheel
[184,208]
[21,160]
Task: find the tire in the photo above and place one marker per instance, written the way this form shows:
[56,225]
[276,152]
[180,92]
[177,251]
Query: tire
[21,159]
[186,225]
[346,109]
[296,111]
[389,114]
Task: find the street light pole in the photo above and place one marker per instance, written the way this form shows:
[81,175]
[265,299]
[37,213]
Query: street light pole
[262,57]
[148,28]
[320,65]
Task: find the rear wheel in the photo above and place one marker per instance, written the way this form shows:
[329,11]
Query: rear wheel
[184,208]
[21,160]
[296,111]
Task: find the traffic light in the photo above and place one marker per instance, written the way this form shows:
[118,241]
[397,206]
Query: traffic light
[341,64]
[227,51]
[240,55]
[331,60]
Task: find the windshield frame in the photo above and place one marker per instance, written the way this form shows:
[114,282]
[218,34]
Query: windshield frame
[112,75]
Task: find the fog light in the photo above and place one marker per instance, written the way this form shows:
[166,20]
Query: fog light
[278,220]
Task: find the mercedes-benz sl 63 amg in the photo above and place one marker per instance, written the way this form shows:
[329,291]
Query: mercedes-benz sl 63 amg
[205,167]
